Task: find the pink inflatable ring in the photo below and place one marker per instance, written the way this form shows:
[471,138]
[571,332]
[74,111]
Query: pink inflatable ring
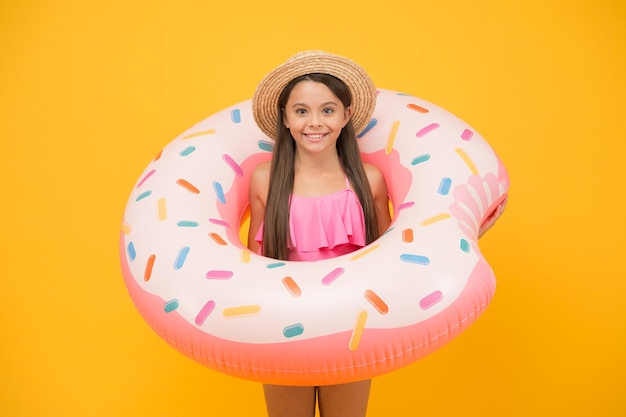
[313,323]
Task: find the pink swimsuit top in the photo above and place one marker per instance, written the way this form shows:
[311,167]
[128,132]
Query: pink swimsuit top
[325,226]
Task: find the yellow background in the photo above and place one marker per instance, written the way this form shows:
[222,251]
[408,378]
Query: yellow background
[91,90]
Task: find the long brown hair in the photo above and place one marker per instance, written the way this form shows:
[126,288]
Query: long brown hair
[276,222]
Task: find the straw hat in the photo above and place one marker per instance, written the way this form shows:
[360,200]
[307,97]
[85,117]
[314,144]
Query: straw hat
[265,100]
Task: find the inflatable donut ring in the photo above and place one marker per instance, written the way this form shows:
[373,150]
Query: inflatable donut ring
[313,323]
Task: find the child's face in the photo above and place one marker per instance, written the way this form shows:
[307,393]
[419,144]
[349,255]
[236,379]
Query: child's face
[315,116]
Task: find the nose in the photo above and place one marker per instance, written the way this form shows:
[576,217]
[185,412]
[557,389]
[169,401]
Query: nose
[315,119]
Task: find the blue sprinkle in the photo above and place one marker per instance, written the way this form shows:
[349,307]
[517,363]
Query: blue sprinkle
[235,116]
[266,146]
[369,126]
[132,253]
[275,265]
[170,305]
[420,159]
[181,257]
[414,259]
[187,223]
[187,150]
[293,330]
[444,186]
[143,195]
[219,192]
[465,247]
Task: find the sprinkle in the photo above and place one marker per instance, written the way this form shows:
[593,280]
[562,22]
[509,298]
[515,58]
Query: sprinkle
[467,134]
[187,186]
[132,253]
[187,150]
[219,192]
[420,159]
[407,235]
[406,205]
[219,222]
[465,247]
[293,330]
[414,259]
[427,130]
[444,186]
[201,133]
[171,305]
[148,175]
[181,257]
[376,301]
[233,165]
[204,312]
[245,256]
[125,228]
[275,265]
[392,137]
[417,108]
[161,209]
[218,239]
[187,223]
[143,195]
[364,252]
[431,299]
[217,274]
[467,160]
[147,274]
[241,311]
[292,287]
[369,127]
[357,330]
[235,116]
[435,219]
[157,156]
[332,276]
[266,146]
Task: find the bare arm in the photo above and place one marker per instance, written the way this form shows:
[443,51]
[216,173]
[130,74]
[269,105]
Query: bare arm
[259,183]
[381,197]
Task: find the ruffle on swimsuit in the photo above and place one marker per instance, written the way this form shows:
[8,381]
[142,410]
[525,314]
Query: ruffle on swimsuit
[325,226]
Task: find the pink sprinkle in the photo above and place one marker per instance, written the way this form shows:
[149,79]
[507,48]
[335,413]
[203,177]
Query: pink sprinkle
[231,163]
[204,312]
[215,274]
[427,129]
[431,299]
[467,134]
[220,222]
[406,205]
[148,175]
[334,274]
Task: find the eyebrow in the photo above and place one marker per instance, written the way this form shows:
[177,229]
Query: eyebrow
[334,103]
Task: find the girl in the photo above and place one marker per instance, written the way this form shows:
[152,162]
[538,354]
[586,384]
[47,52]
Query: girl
[316,199]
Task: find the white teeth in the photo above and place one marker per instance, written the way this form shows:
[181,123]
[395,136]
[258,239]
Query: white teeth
[315,136]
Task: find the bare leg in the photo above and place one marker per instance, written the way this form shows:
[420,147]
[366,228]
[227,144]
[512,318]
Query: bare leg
[287,401]
[344,400]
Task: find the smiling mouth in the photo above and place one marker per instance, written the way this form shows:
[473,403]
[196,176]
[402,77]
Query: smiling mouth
[315,135]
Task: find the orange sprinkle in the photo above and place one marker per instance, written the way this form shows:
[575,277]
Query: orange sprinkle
[188,186]
[377,302]
[407,235]
[218,239]
[292,287]
[157,156]
[149,264]
[417,108]
[357,330]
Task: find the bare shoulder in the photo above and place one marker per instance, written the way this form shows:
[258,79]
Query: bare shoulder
[376,179]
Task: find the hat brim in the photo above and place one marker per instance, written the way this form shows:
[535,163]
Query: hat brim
[361,86]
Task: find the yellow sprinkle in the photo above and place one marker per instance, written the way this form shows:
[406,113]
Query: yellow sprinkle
[357,330]
[201,133]
[245,256]
[125,228]
[241,311]
[435,219]
[392,137]
[467,160]
[162,209]
[365,252]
